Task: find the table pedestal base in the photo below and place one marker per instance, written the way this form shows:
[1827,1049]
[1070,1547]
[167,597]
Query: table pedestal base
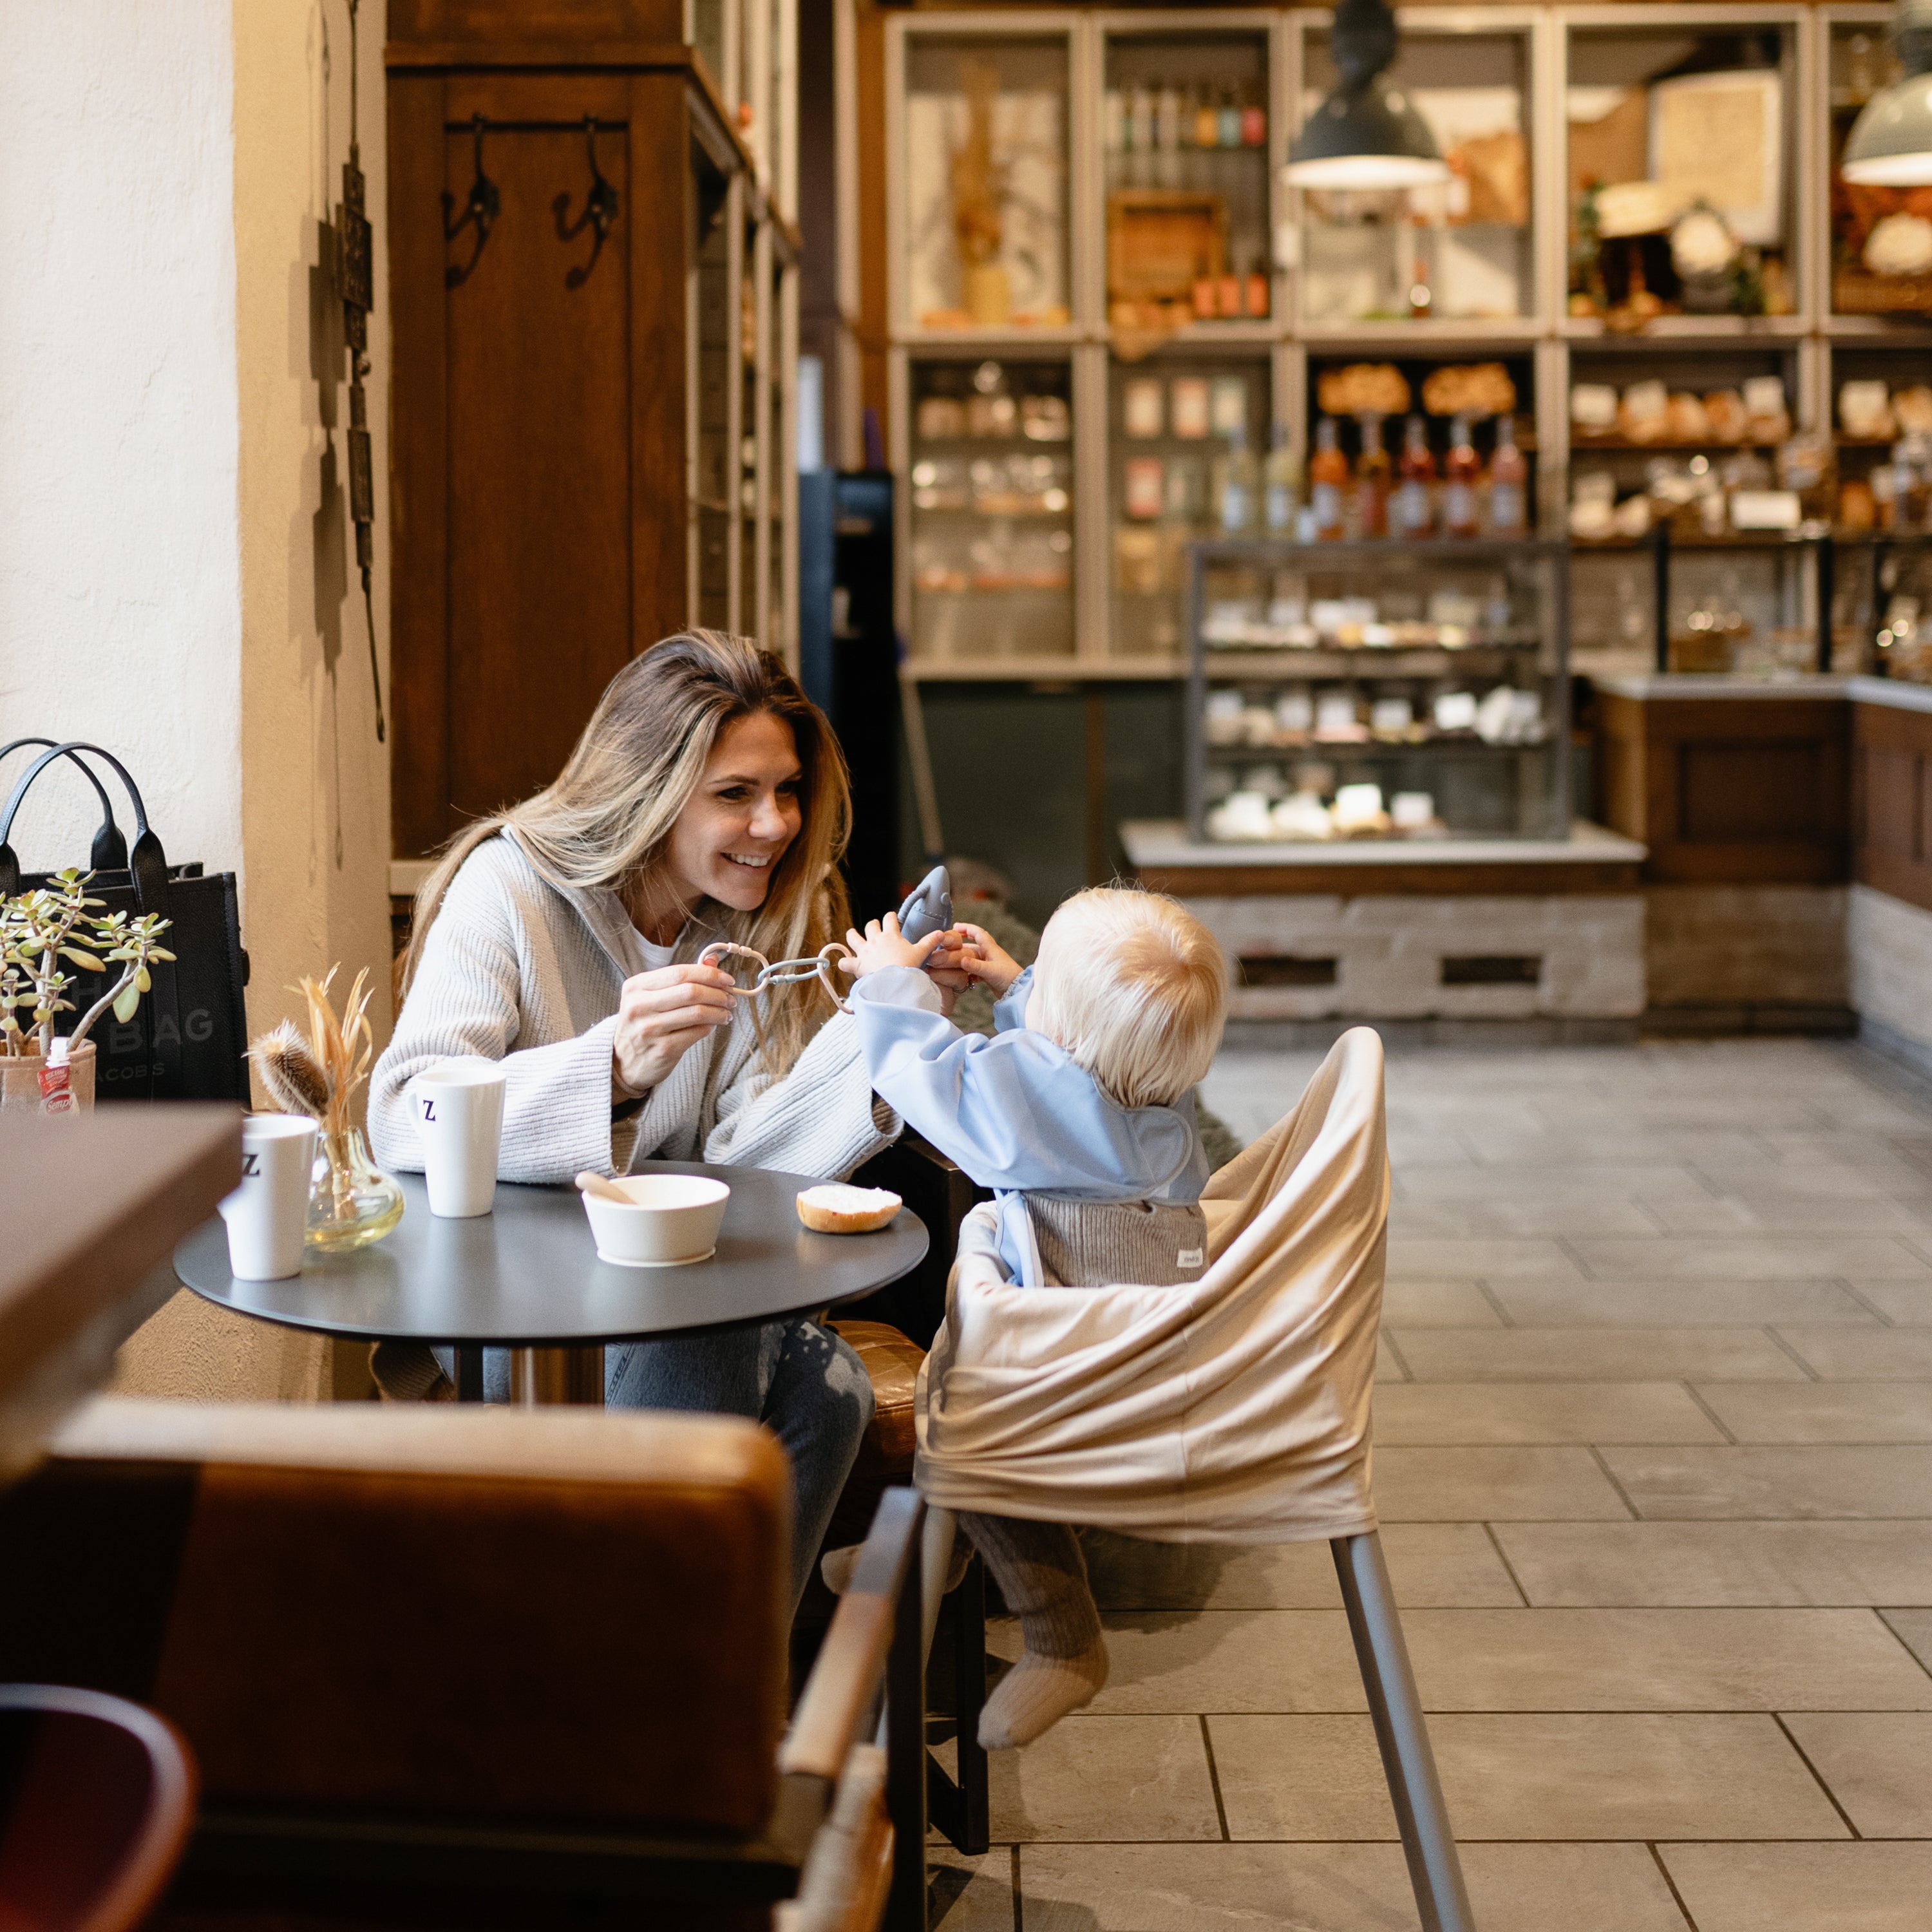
[542,1376]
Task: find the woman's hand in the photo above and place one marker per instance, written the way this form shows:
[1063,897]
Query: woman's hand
[882,944]
[660,1016]
[983,958]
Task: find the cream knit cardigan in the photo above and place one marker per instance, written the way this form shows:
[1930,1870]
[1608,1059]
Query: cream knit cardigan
[518,970]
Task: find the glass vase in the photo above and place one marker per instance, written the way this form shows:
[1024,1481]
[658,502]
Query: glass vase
[352,1202]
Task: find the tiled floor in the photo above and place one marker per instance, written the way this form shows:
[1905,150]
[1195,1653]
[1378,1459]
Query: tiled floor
[1654,1461]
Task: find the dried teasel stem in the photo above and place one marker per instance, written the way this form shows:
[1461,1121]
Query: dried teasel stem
[295,1083]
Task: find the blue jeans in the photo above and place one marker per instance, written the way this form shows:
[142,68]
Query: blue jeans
[805,1385]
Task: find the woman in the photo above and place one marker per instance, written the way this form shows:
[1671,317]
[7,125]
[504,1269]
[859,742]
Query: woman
[706,800]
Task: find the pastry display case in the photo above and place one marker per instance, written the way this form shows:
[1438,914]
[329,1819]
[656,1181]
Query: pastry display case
[1880,240]
[1382,689]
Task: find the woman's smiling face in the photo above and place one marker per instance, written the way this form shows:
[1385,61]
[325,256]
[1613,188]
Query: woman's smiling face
[743,816]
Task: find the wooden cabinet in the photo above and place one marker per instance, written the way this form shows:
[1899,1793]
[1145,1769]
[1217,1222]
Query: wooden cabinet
[1740,788]
[1892,797]
[590,273]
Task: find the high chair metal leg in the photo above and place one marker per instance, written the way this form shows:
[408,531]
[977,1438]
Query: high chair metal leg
[1435,1870]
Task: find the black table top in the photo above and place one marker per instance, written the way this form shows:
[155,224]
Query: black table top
[527,1275]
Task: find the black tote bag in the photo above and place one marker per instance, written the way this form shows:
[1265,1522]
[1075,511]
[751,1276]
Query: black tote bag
[188,1035]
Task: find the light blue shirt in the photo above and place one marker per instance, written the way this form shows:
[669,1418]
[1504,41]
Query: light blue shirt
[1017,1112]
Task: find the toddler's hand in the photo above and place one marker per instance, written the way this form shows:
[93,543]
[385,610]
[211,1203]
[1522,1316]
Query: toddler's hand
[983,958]
[882,944]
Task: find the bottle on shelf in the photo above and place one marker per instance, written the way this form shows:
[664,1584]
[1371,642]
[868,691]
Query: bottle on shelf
[1258,297]
[1254,119]
[1415,507]
[1282,483]
[1372,474]
[1461,475]
[1509,483]
[1167,136]
[1228,121]
[1328,479]
[1113,120]
[1206,121]
[1140,126]
[1234,490]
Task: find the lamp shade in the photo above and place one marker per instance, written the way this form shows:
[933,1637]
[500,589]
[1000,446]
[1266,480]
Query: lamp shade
[1890,145]
[1365,138]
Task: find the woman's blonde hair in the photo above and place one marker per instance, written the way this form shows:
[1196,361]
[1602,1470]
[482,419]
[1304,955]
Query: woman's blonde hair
[1135,988]
[607,819]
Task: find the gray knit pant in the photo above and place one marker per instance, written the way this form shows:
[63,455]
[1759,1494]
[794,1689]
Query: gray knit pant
[1042,1576]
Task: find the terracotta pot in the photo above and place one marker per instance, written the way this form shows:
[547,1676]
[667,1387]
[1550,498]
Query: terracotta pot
[20,1080]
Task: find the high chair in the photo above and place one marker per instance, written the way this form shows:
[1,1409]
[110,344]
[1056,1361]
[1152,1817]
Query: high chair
[1234,1409]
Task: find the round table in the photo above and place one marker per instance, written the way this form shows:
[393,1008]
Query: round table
[526,1277]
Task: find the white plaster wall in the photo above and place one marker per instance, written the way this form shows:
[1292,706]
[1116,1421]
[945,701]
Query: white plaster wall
[120,612]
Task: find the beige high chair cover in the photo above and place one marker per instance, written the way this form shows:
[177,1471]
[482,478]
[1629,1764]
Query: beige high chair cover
[1232,1409]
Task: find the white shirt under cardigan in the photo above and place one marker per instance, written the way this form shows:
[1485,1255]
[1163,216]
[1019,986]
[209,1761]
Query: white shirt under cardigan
[518,969]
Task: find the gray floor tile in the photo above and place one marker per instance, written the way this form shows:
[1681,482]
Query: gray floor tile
[1093,1780]
[1768,1210]
[1489,1257]
[1618,1776]
[1843,1353]
[1908,1303]
[1431,1564]
[1503,1412]
[1437,1304]
[1336,1888]
[1821,1412]
[1688,1303]
[1717,1563]
[1821,1180]
[1388,1367]
[1604,1355]
[1878,1765]
[1547,1185]
[1611,1148]
[1493,1485]
[1511,1659]
[970,1895]
[1746,1258]
[1800,1482]
[1913,1628]
[1485,1218]
[1863,1887]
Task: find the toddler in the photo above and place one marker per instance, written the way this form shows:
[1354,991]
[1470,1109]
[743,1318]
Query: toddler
[1078,1112]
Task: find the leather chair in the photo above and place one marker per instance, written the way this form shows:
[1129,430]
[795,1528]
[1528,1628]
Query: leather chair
[477,1666]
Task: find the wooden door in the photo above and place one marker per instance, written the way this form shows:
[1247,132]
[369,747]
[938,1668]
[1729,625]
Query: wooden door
[540,435]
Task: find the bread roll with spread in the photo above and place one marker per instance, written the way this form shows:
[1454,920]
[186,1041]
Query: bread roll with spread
[838,1208]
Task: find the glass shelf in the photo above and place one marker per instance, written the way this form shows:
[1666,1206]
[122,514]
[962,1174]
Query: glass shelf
[1680,185]
[1430,702]
[984,181]
[1462,252]
[990,509]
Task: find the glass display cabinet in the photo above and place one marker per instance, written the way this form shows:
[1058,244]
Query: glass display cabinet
[1462,252]
[1186,118]
[1381,690]
[980,124]
[1192,453]
[990,509]
[1685,153]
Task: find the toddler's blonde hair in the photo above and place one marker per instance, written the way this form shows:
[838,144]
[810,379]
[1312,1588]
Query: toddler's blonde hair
[1135,988]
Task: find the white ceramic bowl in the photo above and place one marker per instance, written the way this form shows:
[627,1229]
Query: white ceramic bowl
[674,1219]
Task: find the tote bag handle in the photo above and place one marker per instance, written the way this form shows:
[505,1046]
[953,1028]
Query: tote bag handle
[110,848]
[147,864]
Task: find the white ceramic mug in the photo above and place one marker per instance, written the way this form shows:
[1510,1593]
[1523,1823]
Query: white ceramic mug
[459,1112]
[268,1214]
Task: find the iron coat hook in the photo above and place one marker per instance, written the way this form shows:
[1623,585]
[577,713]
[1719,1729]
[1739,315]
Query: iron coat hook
[485,202]
[600,204]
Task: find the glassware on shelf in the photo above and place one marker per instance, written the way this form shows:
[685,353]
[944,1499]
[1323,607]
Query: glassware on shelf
[1462,514]
[1282,485]
[1509,483]
[1372,482]
[1235,484]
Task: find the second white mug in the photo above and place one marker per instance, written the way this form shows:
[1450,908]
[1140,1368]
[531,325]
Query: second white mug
[268,1214]
[459,1111]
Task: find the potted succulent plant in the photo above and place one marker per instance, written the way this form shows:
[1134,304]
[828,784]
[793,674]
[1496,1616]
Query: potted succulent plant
[43,932]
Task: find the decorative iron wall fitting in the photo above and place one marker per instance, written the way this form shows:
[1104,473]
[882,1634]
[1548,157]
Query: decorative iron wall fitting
[480,211]
[601,204]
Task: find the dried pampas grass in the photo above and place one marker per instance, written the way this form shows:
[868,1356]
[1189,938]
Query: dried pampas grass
[318,1076]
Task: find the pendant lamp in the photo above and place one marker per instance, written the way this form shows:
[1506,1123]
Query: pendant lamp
[1364,135]
[1890,145]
